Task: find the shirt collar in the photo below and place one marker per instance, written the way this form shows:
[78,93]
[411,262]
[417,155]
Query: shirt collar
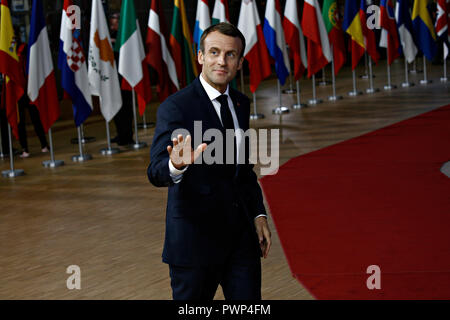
[212,92]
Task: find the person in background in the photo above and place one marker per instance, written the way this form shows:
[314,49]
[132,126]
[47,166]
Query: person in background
[124,118]
[24,104]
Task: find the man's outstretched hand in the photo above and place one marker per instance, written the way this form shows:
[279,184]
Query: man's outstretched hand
[182,154]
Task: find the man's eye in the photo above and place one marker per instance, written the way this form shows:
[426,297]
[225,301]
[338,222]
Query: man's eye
[214,52]
[231,54]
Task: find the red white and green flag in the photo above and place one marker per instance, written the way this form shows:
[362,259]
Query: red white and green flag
[132,64]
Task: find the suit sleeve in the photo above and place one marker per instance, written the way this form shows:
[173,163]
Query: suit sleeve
[168,119]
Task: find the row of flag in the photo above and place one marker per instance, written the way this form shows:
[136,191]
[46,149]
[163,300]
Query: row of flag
[174,57]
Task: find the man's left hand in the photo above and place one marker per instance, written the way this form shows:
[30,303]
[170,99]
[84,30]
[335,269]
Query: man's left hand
[264,235]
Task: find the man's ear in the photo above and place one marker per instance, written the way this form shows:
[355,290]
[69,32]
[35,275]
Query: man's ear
[241,61]
[200,57]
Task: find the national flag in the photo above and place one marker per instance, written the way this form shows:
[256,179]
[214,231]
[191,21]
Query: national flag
[370,41]
[319,52]
[333,25]
[352,25]
[294,38]
[442,22]
[180,44]
[405,30]
[424,29]
[389,36]
[102,71]
[220,12]
[11,68]
[41,76]
[72,63]
[202,21]
[275,41]
[132,64]
[255,50]
[158,54]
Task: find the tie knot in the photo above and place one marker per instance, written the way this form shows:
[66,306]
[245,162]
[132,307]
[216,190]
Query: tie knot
[223,99]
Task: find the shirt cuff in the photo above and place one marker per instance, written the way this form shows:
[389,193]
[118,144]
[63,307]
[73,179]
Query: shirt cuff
[262,215]
[176,174]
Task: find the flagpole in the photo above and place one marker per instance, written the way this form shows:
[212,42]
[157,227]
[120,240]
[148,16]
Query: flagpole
[407,84]
[314,101]
[255,115]
[324,81]
[280,109]
[145,124]
[444,78]
[371,89]
[109,150]
[290,90]
[13,172]
[389,86]
[334,97]
[355,92]
[82,157]
[414,68]
[52,163]
[83,138]
[299,105]
[425,80]
[365,75]
[137,145]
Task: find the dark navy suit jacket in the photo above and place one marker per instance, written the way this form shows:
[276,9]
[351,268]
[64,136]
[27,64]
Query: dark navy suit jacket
[208,204]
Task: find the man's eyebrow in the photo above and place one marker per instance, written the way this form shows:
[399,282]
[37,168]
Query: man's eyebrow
[217,49]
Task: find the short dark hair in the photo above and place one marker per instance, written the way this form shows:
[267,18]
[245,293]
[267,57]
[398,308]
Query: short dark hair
[224,28]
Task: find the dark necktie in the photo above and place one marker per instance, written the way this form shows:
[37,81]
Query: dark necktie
[225,113]
[227,122]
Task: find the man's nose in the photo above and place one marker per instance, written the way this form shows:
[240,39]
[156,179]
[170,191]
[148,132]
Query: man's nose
[221,59]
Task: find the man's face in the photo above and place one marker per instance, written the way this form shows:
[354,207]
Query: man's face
[220,59]
[114,23]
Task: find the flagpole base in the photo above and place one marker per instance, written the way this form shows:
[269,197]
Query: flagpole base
[81,158]
[289,91]
[324,83]
[146,125]
[354,93]
[299,106]
[424,82]
[315,101]
[444,79]
[139,145]
[372,90]
[407,84]
[109,151]
[257,116]
[53,164]
[280,110]
[83,140]
[389,87]
[13,173]
[334,98]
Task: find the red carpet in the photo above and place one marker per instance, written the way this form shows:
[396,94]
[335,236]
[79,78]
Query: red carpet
[378,199]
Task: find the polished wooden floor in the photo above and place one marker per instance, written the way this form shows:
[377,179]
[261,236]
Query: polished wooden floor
[104,216]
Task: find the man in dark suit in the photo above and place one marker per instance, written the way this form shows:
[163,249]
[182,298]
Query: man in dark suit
[216,223]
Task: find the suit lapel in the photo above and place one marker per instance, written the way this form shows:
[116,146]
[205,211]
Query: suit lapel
[207,105]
